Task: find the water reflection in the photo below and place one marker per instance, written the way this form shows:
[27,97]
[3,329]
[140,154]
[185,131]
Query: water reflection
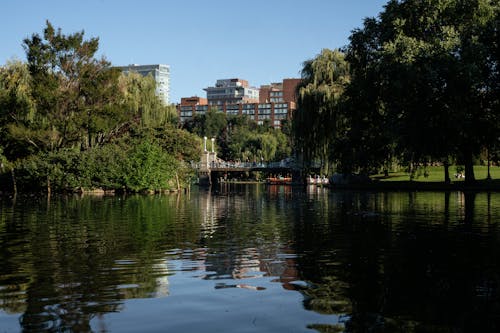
[379,262]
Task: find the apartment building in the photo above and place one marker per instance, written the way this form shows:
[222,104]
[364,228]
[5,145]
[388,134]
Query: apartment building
[232,91]
[276,102]
[279,92]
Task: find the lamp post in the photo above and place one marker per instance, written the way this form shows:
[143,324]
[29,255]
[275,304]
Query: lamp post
[213,139]
[205,143]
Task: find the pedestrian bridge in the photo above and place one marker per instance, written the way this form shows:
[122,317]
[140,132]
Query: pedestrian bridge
[211,168]
[221,165]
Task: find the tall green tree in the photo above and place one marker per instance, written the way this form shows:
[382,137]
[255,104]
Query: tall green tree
[317,121]
[19,134]
[75,93]
[140,101]
[430,71]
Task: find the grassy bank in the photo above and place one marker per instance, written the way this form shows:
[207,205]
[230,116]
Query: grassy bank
[435,174]
[431,179]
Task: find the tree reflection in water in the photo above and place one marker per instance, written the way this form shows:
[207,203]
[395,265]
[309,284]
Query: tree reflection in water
[394,266]
[379,262]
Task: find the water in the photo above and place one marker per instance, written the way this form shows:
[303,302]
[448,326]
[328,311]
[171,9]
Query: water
[252,259]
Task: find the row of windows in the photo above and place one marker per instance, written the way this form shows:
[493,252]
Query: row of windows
[280,110]
[189,114]
[277,123]
[232,107]
[276,93]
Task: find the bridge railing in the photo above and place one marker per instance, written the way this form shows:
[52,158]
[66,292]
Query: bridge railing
[243,165]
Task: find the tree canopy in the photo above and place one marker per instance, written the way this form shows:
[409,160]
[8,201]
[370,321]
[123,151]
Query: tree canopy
[418,84]
[69,120]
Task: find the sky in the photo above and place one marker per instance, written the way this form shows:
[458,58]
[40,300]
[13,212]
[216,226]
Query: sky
[261,41]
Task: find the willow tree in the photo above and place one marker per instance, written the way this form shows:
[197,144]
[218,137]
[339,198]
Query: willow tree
[142,102]
[18,132]
[317,122]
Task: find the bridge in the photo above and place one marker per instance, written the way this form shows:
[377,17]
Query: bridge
[211,169]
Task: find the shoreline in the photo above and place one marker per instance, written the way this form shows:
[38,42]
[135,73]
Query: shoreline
[479,186]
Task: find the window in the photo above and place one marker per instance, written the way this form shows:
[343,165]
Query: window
[232,109]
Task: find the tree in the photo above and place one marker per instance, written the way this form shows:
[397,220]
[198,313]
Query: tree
[142,102]
[149,168]
[74,92]
[18,132]
[429,69]
[317,121]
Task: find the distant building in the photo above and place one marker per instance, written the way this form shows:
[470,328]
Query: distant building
[190,106]
[259,112]
[280,92]
[231,91]
[235,97]
[161,75]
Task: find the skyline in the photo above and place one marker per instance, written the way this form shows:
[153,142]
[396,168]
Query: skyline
[259,41]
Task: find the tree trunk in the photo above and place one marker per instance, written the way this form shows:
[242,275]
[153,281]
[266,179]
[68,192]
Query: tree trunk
[489,164]
[48,186]
[469,167]
[14,182]
[178,185]
[446,165]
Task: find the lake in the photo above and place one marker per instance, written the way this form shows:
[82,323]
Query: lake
[251,258]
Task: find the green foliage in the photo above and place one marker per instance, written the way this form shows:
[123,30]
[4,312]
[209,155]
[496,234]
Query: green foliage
[418,84]
[149,168]
[211,124]
[74,92]
[240,138]
[179,143]
[69,121]
[318,121]
[141,100]
[103,167]
[18,132]
[424,75]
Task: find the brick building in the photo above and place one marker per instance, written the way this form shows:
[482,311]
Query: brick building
[274,102]
[279,92]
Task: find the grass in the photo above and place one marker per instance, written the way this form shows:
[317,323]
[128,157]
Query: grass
[435,174]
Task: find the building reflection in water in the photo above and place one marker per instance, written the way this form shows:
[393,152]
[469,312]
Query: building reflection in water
[233,248]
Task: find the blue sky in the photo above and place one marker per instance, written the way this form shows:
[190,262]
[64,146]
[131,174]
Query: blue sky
[261,41]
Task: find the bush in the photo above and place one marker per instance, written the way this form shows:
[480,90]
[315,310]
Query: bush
[149,168]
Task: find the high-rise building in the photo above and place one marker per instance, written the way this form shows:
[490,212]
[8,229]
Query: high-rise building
[161,75]
[231,91]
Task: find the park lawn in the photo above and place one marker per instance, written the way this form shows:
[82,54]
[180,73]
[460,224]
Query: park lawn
[436,174]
